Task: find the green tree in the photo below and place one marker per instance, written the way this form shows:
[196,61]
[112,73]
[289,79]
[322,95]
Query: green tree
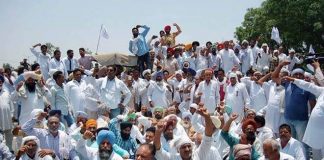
[7,65]
[298,21]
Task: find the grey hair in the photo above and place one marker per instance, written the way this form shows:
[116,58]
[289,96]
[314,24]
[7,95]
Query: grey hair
[274,144]
[102,108]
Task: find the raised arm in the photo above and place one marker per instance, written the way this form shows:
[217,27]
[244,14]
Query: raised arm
[178,29]
[276,72]
[160,153]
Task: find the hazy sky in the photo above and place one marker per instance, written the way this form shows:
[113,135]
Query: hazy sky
[71,24]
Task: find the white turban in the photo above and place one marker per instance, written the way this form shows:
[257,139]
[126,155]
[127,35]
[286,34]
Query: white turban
[30,138]
[186,115]
[232,75]
[297,70]
[291,50]
[52,71]
[307,74]
[146,71]
[35,113]
[264,45]
[179,141]
[81,114]
[194,105]
[239,73]
[32,74]
[178,72]
[284,70]
[237,46]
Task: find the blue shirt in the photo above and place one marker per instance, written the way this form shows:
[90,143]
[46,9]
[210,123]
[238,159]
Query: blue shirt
[129,145]
[141,47]
[296,100]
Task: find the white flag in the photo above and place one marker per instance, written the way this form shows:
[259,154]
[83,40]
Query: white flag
[275,35]
[311,50]
[104,32]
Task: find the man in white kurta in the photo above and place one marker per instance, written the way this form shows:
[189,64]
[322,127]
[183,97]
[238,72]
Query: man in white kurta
[141,89]
[30,95]
[292,58]
[42,58]
[229,58]
[111,90]
[74,92]
[209,92]
[263,58]
[57,63]
[257,94]
[314,130]
[157,92]
[236,96]
[246,57]
[6,113]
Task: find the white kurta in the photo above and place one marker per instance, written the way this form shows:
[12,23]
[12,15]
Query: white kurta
[246,58]
[293,60]
[215,61]
[59,65]
[43,61]
[229,59]
[263,60]
[201,62]
[257,94]
[314,130]
[158,95]
[294,148]
[237,97]
[74,91]
[210,95]
[29,101]
[273,111]
[142,91]
[6,110]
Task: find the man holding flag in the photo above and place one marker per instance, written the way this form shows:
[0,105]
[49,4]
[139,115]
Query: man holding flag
[138,46]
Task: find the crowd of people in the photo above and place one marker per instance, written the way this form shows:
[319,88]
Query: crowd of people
[225,100]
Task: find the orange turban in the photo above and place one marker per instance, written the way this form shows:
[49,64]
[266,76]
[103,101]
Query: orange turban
[91,123]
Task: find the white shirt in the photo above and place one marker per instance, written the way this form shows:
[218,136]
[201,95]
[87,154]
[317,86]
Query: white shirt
[6,110]
[229,59]
[59,100]
[257,94]
[74,64]
[30,100]
[314,131]
[59,65]
[74,92]
[93,153]
[263,60]
[210,94]
[215,61]
[294,60]
[203,152]
[282,57]
[237,97]
[43,61]
[283,156]
[246,58]
[111,92]
[294,148]
[264,133]
[158,94]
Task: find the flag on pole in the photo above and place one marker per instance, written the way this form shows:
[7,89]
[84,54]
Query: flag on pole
[311,50]
[275,35]
[104,32]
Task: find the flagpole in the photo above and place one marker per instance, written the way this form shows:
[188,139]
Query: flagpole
[98,40]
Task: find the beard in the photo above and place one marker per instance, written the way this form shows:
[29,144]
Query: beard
[31,87]
[168,137]
[104,154]
[124,136]
[159,83]
[157,116]
[250,136]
